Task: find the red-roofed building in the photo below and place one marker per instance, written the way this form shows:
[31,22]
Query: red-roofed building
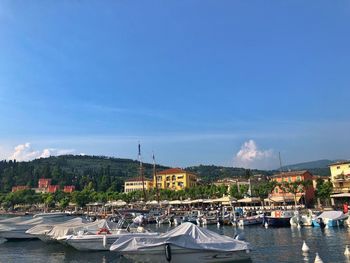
[44,183]
[68,188]
[53,188]
[279,195]
[19,188]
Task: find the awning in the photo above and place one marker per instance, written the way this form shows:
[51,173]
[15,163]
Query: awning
[175,202]
[281,199]
[249,200]
[342,195]
[226,200]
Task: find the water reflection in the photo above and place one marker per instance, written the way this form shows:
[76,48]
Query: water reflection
[269,245]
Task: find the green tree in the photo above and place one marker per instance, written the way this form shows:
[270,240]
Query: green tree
[323,190]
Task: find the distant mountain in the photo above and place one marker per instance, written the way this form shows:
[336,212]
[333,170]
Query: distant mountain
[319,167]
[309,165]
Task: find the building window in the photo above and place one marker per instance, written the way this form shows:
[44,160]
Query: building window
[338,167]
[289,179]
[173,178]
[276,190]
[298,178]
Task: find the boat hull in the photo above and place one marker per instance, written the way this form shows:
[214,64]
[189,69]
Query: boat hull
[278,221]
[91,244]
[181,255]
[329,223]
[16,234]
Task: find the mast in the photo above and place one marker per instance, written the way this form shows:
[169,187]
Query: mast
[141,175]
[155,177]
[283,193]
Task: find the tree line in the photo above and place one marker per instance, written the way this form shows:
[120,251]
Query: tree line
[88,194]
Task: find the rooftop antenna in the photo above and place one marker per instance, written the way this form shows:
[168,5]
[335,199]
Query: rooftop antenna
[141,174]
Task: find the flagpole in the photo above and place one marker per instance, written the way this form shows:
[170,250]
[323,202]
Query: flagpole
[141,175]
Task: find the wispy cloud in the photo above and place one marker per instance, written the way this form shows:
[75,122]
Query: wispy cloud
[250,156]
[25,152]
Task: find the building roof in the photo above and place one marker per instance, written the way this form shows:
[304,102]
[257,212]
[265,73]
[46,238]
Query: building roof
[291,173]
[137,179]
[172,171]
[339,163]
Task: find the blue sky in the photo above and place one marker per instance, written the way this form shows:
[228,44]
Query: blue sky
[211,82]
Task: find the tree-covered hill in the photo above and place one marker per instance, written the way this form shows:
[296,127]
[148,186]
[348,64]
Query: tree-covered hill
[105,173]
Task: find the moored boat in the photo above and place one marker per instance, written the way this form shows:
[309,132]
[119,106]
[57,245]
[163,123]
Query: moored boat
[185,243]
[251,220]
[330,219]
[279,218]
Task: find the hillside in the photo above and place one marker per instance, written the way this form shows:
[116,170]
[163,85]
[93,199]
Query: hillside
[104,172]
[319,167]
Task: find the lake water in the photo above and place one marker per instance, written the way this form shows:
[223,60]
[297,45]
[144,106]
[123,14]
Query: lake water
[269,245]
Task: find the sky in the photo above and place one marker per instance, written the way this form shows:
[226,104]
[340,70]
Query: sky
[228,83]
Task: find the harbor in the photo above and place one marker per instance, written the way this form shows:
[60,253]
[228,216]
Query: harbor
[268,245]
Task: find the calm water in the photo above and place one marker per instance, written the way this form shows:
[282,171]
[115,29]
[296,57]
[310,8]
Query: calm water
[270,245]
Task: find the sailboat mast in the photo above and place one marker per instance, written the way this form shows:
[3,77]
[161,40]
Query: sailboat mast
[141,175]
[155,177]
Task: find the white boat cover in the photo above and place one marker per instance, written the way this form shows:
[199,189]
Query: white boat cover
[42,229]
[334,215]
[187,235]
[13,220]
[63,230]
[26,224]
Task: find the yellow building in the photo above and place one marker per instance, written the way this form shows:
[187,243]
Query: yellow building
[135,184]
[175,179]
[340,177]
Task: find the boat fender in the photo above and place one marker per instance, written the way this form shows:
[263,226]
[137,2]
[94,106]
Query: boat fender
[347,251]
[104,241]
[168,252]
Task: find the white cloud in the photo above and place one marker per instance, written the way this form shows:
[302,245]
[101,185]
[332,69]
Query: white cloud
[25,152]
[249,156]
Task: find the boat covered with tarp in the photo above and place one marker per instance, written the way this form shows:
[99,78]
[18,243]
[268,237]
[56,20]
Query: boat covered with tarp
[185,243]
[330,219]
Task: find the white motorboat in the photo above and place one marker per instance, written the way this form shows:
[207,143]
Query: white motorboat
[51,215]
[185,243]
[251,220]
[103,241]
[15,227]
[62,232]
[17,230]
[301,220]
[41,231]
[330,219]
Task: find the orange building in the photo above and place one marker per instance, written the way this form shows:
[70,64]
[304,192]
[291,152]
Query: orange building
[305,196]
[68,188]
[44,183]
[53,188]
[19,188]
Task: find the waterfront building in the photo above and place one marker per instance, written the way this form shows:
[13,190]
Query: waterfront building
[305,195]
[135,184]
[174,179]
[340,177]
[19,188]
